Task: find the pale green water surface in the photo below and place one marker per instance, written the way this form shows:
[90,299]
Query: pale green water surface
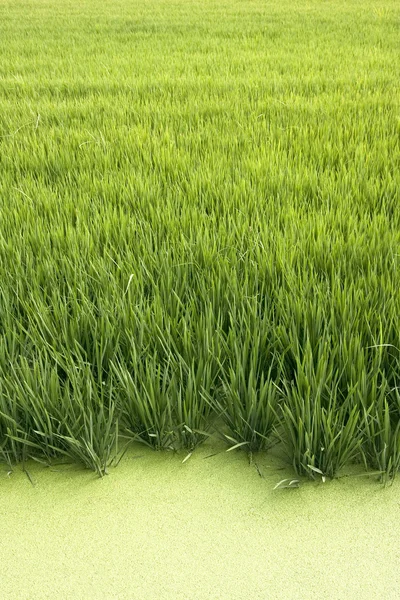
[208,529]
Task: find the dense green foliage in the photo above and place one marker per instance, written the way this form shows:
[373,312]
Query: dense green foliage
[199,218]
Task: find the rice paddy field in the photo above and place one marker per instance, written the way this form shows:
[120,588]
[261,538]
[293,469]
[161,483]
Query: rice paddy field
[199,231]
[200,255]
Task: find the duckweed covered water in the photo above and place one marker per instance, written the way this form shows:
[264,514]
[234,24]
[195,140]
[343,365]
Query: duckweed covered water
[207,529]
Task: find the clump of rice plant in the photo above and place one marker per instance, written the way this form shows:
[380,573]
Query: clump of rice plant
[147,389]
[319,424]
[381,440]
[249,393]
[77,419]
[380,423]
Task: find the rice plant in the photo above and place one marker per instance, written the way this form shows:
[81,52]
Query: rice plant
[381,447]
[248,397]
[320,425]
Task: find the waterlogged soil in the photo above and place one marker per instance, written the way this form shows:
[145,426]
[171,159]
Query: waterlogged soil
[209,529]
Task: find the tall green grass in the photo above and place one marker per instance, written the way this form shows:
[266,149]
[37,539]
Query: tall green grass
[200,227]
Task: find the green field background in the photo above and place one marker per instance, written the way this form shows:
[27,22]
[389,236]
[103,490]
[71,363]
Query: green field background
[199,217]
